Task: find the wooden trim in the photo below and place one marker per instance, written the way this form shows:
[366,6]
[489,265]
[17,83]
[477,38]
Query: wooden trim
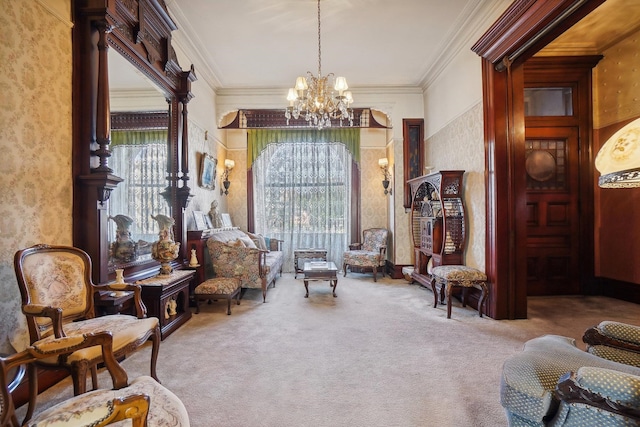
[411,149]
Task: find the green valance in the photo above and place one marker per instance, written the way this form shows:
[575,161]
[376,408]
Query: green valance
[138,137]
[258,139]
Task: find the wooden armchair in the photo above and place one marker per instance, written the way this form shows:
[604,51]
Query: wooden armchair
[370,254]
[145,401]
[58,301]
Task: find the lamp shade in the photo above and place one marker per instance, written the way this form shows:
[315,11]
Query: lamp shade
[618,161]
[229,164]
[384,162]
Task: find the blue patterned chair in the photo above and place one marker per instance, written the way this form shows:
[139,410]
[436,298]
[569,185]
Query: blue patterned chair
[615,341]
[554,383]
[370,254]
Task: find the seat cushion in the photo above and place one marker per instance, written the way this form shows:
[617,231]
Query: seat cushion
[361,258]
[460,273]
[165,409]
[124,328]
[218,286]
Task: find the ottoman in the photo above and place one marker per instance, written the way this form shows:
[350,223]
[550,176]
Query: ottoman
[218,288]
[450,276]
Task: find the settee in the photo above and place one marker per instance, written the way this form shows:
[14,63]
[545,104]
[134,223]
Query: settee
[248,257]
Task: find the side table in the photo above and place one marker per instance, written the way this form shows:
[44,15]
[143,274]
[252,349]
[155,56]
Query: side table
[167,298]
[107,303]
[307,254]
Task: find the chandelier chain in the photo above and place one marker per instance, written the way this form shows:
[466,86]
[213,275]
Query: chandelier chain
[319,44]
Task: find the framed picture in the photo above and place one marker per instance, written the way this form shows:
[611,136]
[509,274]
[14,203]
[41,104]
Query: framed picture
[200,220]
[226,220]
[208,171]
[207,220]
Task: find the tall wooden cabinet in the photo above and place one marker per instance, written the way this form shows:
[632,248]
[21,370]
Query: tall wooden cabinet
[437,221]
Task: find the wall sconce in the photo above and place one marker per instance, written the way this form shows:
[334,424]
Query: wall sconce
[384,165]
[618,161]
[228,165]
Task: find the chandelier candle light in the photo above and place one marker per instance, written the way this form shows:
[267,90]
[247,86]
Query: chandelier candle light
[313,98]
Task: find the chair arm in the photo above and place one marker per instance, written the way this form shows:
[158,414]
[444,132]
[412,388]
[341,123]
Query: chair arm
[604,389]
[230,261]
[54,313]
[141,309]
[355,246]
[383,251]
[614,334]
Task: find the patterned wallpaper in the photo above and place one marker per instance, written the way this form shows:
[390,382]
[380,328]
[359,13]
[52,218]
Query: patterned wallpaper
[199,143]
[35,134]
[616,83]
[460,145]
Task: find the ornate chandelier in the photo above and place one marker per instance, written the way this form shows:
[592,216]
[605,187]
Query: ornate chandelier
[315,98]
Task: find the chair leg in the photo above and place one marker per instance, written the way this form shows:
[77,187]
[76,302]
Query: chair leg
[449,291]
[229,305]
[375,271]
[197,300]
[94,376]
[344,268]
[32,372]
[435,293]
[79,377]
[155,339]
[483,297]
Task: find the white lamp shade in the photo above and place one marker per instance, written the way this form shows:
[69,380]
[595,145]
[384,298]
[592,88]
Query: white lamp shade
[348,97]
[301,83]
[229,164]
[618,161]
[383,163]
[341,84]
[292,95]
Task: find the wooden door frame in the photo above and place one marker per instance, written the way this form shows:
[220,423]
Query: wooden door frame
[525,28]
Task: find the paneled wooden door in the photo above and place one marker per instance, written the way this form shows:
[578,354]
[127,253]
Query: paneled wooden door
[553,216]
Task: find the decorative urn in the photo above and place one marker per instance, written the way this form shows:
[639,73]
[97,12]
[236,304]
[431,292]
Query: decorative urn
[165,249]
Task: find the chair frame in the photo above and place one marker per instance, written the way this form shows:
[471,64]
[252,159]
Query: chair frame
[135,406]
[78,370]
[382,255]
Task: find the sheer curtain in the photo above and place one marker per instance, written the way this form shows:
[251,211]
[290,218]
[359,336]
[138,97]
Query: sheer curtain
[141,156]
[302,195]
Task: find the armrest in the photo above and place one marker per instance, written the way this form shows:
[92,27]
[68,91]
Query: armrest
[236,261]
[604,389]
[275,244]
[141,309]
[355,246]
[614,334]
[54,313]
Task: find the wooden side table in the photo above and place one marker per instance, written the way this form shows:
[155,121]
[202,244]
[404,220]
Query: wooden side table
[308,253]
[108,303]
[167,298]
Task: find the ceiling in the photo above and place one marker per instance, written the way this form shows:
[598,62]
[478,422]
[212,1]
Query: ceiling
[373,43]
[266,44]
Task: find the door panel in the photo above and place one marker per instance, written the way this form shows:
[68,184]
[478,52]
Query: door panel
[553,222]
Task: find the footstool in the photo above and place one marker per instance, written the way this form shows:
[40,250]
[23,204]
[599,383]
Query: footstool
[450,276]
[218,288]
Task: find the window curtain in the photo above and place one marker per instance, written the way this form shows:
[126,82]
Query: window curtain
[302,192]
[141,157]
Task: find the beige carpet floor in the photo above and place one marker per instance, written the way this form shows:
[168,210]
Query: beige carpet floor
[377,355]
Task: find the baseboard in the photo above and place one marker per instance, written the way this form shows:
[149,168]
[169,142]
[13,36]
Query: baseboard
[618,289]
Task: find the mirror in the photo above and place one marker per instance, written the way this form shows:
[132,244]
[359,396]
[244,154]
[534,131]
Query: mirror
[139,153]
[135,36]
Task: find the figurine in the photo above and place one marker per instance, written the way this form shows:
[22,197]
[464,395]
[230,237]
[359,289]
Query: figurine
[123,249]
[165,249]
[216,218]
[193,262]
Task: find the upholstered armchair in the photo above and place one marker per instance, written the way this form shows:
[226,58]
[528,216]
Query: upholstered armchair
[615,341]
[554,383]
[145,401]
[58,301]
[370,254]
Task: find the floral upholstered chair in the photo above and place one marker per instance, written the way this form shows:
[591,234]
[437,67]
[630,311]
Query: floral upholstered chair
[58,301]
[370,254]
[145,402]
